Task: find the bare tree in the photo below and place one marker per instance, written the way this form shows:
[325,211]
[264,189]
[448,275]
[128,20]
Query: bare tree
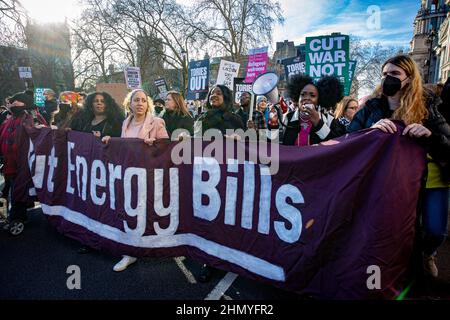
[93,45]
[370,58]
[163,28]
[12,17]
[149,34]
[236,25]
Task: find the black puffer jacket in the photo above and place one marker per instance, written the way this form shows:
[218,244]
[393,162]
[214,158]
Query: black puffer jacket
[437,145]
[176,121]
[217,119]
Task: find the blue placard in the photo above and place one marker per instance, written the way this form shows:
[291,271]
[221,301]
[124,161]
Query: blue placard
[198,80]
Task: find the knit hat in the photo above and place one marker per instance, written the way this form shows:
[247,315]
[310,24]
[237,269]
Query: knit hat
[261,98]
[69,97]
[23,97]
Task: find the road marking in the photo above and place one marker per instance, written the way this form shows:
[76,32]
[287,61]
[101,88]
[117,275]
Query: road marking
[222,286]
[189,276]
[227,297]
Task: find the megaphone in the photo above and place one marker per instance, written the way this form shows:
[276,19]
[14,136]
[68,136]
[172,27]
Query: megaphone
[266,84]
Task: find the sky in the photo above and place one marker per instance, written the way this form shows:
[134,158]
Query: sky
[389,22]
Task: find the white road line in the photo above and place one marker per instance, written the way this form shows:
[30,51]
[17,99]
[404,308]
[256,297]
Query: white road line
[189,276]
[222,286]
[227,297]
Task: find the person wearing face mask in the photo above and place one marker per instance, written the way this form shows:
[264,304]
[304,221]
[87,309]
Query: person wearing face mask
[22,110]
[401,96]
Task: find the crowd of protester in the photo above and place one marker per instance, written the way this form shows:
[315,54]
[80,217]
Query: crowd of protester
[317,112]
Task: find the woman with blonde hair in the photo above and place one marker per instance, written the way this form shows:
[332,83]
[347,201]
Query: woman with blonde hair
[142,124]
[177,115]
[401,96]
[343,116]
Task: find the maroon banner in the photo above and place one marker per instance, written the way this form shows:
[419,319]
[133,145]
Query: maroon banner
[336,221]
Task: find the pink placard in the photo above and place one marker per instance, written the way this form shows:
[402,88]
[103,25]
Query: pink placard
[257,63]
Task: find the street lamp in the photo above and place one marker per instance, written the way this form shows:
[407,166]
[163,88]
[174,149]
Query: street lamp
[184,70]
[430,40]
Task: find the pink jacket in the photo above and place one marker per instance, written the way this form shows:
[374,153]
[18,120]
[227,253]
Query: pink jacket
[153,128]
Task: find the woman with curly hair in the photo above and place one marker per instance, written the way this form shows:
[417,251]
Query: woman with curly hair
[102,116]
[401,96]
[310,122]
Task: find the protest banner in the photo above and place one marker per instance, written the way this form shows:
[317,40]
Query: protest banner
[239,87]
[161,85]
[329,55]
[293,66]
[198,81]
[133,77]
[227,72]
[331,213]
[257,63]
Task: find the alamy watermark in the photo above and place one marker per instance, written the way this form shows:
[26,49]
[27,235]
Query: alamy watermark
[238,146]
[373,22]
[374,280]
[74,280]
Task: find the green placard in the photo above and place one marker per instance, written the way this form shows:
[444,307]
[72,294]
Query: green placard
[351,73]
[39,97]
[329,55]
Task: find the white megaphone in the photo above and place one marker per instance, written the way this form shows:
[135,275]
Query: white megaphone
[266,84]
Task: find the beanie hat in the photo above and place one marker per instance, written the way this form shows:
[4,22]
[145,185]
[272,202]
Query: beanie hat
[23,97]
[69,97]
[261,98]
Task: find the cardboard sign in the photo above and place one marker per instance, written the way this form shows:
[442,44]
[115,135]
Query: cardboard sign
[25,73]
[227,72]
[133,77]
[161,85]
[116,90]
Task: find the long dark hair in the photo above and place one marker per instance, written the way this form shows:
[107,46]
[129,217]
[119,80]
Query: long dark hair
[114,113]
[227,98]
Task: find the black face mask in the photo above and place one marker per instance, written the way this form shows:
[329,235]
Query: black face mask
[16,110]
[391,85]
